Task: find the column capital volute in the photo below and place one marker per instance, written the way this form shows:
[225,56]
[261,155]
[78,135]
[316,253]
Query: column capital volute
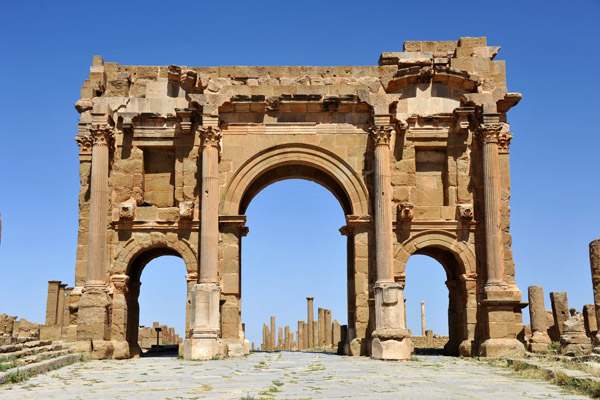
[210,136]
[381,135]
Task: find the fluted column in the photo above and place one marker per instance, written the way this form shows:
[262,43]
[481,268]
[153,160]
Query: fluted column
[381,136]
[209,219]
[102,136]
[205,319]
[489,132]
[310,318]
[390,339]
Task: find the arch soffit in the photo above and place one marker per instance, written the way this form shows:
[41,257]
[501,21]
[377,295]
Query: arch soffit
[296,154]
[463,251]
[140,243]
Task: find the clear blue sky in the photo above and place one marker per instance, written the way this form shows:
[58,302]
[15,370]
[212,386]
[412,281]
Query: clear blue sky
[46,48]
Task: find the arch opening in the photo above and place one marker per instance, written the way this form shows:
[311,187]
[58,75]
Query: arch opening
[148,303]
[293,251]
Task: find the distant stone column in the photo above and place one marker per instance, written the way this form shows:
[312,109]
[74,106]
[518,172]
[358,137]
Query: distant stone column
[595,268]
[61,304]
[589,319]
[337,333]
[423,318]
[328,338]
[66,312]
[315,332]
[273,338]
[310,319]
[287,343]
[560,310]
[300,335]
[52,302]
[281,343]
[390,340]
[305,336]
[321,327]
[539,340]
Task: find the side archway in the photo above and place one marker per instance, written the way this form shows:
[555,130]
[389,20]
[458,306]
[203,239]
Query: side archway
[458,260]
[296,161]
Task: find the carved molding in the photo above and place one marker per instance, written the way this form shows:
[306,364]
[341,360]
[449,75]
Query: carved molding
[211,136]
[127,210]
[496,132]
[381,135]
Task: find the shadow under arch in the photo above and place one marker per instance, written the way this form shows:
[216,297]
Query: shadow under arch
[458,260]
[296,161]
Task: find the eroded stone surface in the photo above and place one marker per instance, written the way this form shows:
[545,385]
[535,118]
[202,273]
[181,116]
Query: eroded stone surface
[295,375]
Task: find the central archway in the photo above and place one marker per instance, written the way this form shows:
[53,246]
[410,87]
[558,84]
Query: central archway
[312,163]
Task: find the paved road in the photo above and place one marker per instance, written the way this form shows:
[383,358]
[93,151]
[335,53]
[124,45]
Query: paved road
[282,376]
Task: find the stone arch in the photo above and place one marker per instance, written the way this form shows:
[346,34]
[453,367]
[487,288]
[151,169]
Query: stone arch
[296,161]
[150,246]
[428,242]
[458,260]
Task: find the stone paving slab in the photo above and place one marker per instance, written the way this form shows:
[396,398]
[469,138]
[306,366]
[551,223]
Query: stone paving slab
[282,375]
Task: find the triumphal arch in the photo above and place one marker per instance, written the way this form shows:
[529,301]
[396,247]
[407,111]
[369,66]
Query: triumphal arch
[416,150]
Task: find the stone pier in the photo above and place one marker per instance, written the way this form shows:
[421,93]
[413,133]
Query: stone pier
[595,268]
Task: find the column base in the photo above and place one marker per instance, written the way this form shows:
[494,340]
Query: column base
[504,348]
[92,315]
[391,349]
[465,348]
[539,342]
[203,348]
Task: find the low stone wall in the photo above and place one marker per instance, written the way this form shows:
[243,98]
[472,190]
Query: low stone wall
[425,342]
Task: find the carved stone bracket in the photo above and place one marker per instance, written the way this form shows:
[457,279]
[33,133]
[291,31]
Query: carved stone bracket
[404,212]
[381,135]
[127,210]
[186,210]
[185,119]
[465,212]
[462,119]
[127,120]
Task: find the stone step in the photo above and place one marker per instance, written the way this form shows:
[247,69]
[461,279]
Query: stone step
[33,350]
[40,367]
[41,357]
[8,348]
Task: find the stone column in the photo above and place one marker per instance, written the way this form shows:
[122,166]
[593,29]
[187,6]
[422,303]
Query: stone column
[422,318]
[315,331]
[537,314]
[310,319]
[52,302]
[500,301]
[281,342]
[390,339]
[287,344]
[300,336]
[595,268]
[560,309]
[60,310]
[328,338]
[205,342]
[66,310]
[273,337]
[321,314]
[589,319]
[93,318]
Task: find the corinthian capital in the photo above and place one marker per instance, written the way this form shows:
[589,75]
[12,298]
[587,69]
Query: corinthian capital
[381,135]
[102,134]
[497,132]
[210,136]
[85,143]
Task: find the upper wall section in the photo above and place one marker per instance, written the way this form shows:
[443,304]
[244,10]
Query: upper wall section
[426,78]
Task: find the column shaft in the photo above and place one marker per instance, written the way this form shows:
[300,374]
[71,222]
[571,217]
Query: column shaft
[209,222]
[491,194]
[383,213]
